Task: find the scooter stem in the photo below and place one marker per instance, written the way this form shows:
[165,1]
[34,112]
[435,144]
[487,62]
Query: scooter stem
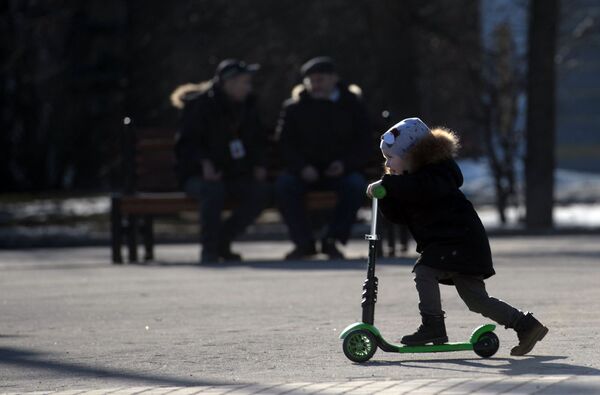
[369,295]
[374,219]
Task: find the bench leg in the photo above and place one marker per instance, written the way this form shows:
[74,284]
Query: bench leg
[116,230]
[132,229]
[148,234]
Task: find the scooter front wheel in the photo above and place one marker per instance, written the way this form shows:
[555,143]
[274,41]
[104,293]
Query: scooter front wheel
[486,345]
[360,345]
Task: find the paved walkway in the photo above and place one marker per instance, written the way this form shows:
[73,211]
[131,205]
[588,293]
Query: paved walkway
[72,323]
[558,385]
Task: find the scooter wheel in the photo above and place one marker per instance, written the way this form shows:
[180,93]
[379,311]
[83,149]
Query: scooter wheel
[360,345]
[487,345]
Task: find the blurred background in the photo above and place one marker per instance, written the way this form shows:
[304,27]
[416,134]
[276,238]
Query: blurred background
[518,80]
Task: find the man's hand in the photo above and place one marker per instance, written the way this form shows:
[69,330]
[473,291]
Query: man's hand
[260,173]
[208,171]
[309,174]
[335,169]
[371,187]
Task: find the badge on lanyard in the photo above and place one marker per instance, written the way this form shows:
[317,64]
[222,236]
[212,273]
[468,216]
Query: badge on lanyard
[236,147]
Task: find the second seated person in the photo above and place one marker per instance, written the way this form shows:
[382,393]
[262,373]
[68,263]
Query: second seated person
[324,136]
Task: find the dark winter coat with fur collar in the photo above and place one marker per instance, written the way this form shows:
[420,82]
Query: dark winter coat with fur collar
[318,132]
[209,122]
[448,231]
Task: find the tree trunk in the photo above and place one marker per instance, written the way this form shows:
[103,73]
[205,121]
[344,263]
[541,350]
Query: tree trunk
[539,161]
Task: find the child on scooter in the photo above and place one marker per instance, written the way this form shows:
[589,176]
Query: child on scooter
[422,181]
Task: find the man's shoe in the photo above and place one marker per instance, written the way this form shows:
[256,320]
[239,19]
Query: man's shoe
[329,248]
[208,258]
[227,255]
[530,331]
[230,256]
[303,252]
[432,330]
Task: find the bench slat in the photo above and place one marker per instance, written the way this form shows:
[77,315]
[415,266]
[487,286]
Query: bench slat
[174,202]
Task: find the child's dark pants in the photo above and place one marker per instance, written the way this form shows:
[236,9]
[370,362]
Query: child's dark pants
[472,291]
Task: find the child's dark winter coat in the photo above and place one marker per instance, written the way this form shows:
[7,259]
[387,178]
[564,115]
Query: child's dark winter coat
[448,231]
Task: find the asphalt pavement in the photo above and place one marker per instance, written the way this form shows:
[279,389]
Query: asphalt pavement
[71,322]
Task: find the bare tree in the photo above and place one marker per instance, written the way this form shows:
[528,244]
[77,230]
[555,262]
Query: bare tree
[502,85]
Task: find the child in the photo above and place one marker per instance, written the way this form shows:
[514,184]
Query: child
[422,184]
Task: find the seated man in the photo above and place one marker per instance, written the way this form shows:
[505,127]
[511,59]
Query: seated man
[324,136]
[219,152]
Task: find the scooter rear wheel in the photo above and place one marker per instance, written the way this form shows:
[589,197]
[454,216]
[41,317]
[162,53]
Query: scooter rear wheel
[360,345]
[487,345]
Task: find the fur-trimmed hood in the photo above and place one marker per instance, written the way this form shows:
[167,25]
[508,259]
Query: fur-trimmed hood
[190,91]
[208,89]
[300,90]
[440,145]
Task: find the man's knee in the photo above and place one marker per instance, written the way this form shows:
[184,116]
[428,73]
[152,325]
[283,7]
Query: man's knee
[288,184]
[260,192]
[205,190]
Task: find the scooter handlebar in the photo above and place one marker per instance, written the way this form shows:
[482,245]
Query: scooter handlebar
[379,192]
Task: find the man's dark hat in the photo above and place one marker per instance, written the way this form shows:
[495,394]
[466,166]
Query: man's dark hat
[321,64]
[230,68]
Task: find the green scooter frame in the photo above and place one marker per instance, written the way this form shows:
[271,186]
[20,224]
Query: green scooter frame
[362,339]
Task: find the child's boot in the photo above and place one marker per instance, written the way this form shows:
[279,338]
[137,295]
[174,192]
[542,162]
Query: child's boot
[530,331]
[432,330]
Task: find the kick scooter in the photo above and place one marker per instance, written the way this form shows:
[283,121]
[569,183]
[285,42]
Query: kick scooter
[362,339]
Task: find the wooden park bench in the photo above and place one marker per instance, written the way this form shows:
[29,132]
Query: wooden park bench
[150,189]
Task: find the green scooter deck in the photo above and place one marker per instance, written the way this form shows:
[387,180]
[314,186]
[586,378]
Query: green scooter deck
[446,347]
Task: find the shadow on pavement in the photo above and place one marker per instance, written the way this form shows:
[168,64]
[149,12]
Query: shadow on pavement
[348,264]
[533,364]
[33,360]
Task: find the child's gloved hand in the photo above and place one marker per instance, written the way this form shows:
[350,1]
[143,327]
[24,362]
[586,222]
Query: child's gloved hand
[371,187]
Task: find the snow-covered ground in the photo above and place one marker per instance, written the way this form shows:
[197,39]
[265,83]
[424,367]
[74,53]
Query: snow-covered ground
[51,208]
[570,216]
[570,186]
[577,196]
